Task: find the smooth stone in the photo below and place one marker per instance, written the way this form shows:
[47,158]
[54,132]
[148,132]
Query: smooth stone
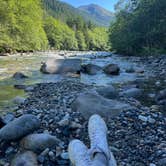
[39,142]
[27,158]
[90,69]
[132,92]
[19,127]
[112,69]
[108,92]
[143,118]
[19,75]
[65,156]
[19,100]
[162,162]
[8,118]
[61,66]
[90,103]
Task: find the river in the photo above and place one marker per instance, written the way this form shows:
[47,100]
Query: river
[29,64]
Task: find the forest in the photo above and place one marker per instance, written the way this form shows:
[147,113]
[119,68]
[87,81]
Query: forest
[139,27]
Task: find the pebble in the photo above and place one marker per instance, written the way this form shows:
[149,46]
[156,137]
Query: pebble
[65,156]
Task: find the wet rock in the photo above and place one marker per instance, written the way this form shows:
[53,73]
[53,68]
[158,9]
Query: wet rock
[19,100]
[92,103]
[130,70]
[38,142]
[108,92]
[19,75]
[112,69]
[19,127]
[143,118]
[65,121]
[27,158]
[132,92]
[61,66]
[20,86]
[90,69]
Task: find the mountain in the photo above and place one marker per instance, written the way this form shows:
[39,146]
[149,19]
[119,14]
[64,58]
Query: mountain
[64,11]
[98,14]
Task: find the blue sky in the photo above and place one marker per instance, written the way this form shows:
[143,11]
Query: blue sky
[108,4]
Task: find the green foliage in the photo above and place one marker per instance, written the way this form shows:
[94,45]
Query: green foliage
[140,28]
[21,25]
[81,40]
[98,39]
[59,35]
[25,26]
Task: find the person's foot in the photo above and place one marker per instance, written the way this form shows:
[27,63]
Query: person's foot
[97,130]
[78,154]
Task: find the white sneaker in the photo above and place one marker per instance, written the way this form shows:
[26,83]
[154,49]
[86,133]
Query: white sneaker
[78,154]
[98,136]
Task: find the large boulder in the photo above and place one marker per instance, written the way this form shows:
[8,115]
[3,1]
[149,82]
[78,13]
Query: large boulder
[19,75]
[39,142]
[90,69]
[90,103]
[112,69]
[132,92]
[61,66]
[27,158]
[108,92]
[19,127]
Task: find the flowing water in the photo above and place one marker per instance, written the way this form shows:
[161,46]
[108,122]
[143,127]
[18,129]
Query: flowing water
[30,66]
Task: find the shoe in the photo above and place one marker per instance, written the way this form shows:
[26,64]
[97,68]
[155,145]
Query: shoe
[97,130]
[78,154]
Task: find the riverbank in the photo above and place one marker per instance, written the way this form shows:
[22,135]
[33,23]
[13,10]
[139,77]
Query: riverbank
[136,136]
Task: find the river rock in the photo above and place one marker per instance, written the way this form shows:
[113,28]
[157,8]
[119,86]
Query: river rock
[19,75]
[90,103]
[61,66]
[19,100]
[161,95]
[20,86]
[90,69]
[38,142]
[8,118]
[108,92]
[27,158]
[19,127]
[132,92]
[112,69]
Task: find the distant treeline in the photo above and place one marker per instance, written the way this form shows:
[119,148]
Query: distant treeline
[27,25]
[140,27]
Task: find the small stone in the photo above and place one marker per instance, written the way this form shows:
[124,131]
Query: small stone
[151,164]
[151,120]
[143,118]
[65,156]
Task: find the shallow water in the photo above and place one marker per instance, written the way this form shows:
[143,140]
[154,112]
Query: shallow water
[30,66]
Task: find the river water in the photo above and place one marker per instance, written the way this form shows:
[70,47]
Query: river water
[30,66]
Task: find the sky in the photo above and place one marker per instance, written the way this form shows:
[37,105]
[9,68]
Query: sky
[107,4]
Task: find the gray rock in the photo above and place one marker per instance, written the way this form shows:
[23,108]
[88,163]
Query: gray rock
[132,92]
[108,92]
[112,69]
[162,162]
[65,156]
[90,69]
[61,66]
[19,127]
[92,103]
[19,100]
[161,95]
[38,142]
[143,118]
[27,158]
[8,118]
[19,75]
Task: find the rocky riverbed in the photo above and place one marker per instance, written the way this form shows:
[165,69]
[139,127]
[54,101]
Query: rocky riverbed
[56,114]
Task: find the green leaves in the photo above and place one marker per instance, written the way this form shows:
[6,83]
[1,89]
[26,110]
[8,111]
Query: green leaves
[142,30]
